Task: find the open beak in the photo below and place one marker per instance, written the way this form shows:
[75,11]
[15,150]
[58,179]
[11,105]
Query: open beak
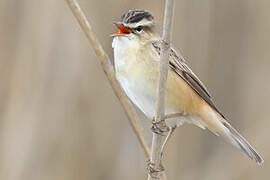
[123,30]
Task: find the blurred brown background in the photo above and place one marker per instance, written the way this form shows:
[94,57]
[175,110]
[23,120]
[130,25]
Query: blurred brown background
[59,118]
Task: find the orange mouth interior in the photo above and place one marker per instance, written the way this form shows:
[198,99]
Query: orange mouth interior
[123,31]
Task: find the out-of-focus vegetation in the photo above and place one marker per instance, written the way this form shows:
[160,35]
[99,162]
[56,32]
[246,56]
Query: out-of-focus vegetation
[59,118]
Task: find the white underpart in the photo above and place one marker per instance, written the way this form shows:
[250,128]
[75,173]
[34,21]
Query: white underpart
[141,93]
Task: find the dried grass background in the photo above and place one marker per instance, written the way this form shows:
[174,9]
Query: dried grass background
[59,118]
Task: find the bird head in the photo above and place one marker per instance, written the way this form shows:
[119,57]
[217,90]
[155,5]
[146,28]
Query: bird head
[136,24]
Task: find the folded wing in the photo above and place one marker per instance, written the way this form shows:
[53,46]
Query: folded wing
[179,65]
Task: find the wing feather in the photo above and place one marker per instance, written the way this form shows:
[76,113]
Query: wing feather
[178,64]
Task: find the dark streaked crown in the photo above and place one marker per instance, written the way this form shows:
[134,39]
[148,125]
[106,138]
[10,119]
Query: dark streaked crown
[134,16]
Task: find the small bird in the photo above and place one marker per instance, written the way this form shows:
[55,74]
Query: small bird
[137,49]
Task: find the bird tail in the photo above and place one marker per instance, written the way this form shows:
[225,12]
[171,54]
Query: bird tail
[220,126]
[240,142]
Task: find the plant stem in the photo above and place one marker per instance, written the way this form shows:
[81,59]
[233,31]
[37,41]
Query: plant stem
[157,140]
[109,71]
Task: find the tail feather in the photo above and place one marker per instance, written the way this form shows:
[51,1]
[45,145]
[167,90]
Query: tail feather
[242,143]
[218,125]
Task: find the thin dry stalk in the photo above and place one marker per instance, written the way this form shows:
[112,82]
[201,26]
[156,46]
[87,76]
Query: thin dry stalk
[109,71]
[157,140]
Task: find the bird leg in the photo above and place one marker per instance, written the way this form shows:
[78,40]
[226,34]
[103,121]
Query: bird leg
[161,128]
[152,169]
[171,130]
[169,135]
[174,115]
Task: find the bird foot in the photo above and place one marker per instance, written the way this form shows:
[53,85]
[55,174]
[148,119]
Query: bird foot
[153,170]
[159,127]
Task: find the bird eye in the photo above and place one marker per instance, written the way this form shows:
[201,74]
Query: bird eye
[139,28]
